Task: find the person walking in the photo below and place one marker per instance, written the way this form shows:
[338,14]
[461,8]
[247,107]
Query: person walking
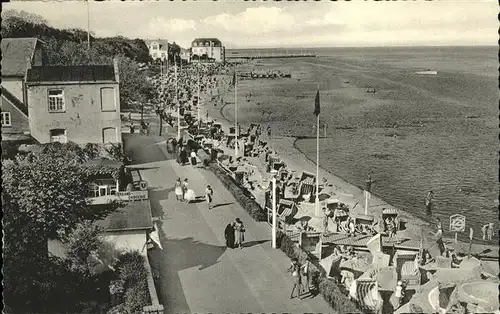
[484,230]
[490,231]
[178,190]
[209,195]
[229,235]
[439,236]
[428,201]
[193,158]
[239,233]
[397,296]
[185,186]
[305,273]
[294,269]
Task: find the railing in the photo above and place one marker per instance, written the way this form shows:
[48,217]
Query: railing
[124,196]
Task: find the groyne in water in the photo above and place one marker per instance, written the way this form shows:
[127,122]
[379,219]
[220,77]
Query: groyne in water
[284,56]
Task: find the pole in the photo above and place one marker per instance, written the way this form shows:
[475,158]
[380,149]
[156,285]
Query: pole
[199,100]
[160,105]
[470,240]
[177,102]
[235,113]
[367,196]
[456,237]
[317,209]
[274,213]
[88,24]
[324,129]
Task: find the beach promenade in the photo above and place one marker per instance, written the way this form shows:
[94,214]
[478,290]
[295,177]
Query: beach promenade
[197,273]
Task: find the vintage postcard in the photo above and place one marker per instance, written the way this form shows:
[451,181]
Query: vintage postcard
[250,156]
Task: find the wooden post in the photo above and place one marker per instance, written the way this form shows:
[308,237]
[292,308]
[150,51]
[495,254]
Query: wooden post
[470,241]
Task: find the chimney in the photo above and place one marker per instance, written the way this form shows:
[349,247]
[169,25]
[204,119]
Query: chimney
[115,66]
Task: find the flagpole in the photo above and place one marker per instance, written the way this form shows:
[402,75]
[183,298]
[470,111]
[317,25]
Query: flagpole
[317,209]
[88,24]
[177,101]
[199,100]
[235,114]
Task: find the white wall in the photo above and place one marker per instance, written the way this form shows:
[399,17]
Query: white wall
[14,86]
[128,240]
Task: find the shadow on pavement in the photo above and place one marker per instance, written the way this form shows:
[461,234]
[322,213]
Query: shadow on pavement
[252,243]
[223,204]
[155,196]
[145,149]
[176,256]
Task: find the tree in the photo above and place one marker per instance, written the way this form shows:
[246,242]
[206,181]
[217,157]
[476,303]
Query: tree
[174,50]
[135,89]
[44,195]
[50,188]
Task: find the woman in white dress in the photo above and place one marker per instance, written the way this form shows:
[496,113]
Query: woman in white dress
[178,190]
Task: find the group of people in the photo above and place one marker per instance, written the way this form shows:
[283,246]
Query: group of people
[235,234]
[488,231]
[186,195]
[300,273]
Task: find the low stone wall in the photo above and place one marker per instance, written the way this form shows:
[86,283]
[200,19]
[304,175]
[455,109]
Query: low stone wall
[155,306]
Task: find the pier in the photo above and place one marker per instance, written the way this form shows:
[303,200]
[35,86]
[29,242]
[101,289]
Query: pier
[270,56]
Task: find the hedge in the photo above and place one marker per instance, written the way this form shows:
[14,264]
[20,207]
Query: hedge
[327,287]
[248,204]
[132,276]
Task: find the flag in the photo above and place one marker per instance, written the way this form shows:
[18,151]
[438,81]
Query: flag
[234,79]
[316,104]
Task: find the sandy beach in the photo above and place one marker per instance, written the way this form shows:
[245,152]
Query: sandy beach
[286,148]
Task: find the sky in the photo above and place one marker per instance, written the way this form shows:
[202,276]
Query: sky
[253,24]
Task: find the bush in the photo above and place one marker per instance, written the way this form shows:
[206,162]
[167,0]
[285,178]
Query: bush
[248,204]
[115,151]
[132,275]
[327,287]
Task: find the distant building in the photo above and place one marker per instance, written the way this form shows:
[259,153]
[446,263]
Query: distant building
[158,49]
[186,54]
[208,49]
[18,55]
[74,103]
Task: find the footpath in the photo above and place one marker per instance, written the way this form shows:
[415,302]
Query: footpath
[197,273]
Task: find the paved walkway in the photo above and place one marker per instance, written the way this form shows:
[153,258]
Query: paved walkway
[198,274]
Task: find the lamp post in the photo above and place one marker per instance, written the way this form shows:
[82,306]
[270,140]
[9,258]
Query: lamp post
[274,173]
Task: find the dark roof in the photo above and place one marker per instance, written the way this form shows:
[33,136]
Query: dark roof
[217,42]
[106,162]
[134,216]
[17,54]
[73,73]
[14,101]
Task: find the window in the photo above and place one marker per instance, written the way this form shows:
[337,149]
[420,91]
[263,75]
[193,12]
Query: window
[58,135]
[56,100]
[109,135]
[108,99]
[6,121]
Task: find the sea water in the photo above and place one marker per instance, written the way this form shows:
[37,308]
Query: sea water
[415,133]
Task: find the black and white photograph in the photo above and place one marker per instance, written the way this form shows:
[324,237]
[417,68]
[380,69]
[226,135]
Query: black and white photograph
[233,156]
